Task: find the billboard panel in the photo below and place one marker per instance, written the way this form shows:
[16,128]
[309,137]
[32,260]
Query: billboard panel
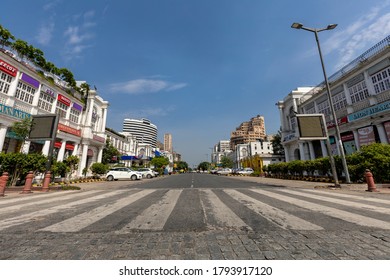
[311,126]
[44,127]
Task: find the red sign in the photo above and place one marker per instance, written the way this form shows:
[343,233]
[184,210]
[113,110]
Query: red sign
[64,100]
[347,137]
[340,121]
[69,147]
[69,129]
[8,68]
[98,138]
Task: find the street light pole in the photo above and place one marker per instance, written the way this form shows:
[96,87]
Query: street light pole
[337,129]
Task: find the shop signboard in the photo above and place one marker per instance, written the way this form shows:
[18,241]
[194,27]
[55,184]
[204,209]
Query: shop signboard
[366,135]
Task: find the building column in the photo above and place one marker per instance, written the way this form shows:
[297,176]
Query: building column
[46,148]
[100,155]
[324,149]
[382,133]
[26,147]
[61,152]
[3,133]
[311,150]
[356,138]
[83,161]
[302,150]
[75,150]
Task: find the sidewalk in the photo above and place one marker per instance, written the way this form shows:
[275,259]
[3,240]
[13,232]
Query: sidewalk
[382,188]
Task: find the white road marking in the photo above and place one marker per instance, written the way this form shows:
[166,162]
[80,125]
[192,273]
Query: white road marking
[155,216]
[333,212]
[85,219]
[275,215]
[223,215]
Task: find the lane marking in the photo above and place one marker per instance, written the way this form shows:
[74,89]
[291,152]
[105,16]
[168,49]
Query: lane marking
[274,215]
[340,201]
[222,213]
[155,216]
[329,211]
[29,217]
[85,219]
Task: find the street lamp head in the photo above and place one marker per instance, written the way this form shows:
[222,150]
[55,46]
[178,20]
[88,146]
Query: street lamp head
[297,25]
[331,26]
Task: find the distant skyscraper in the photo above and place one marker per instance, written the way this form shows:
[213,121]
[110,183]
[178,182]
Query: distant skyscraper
[143,130]
[168,142]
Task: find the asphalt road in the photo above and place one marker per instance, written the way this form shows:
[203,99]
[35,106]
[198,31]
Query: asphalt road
[194,216]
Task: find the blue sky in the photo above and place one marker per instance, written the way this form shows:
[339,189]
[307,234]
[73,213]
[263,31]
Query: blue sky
[196,68]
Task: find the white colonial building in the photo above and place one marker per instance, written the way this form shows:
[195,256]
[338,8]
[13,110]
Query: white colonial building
[361,95]
[82,119]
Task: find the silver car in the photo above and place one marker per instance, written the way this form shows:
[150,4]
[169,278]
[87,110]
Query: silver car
[123,173]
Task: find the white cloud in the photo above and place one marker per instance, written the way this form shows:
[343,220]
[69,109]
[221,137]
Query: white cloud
[45,33]
[141,86]
[361,34]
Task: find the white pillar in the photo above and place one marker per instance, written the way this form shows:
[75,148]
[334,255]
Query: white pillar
[26,147]
[382,133]
[3,133]
[46,148]
[100,155]
[61,152]
[311,150]
[83,161]
[324,149]
[302,150]
[75,150]
[356,137]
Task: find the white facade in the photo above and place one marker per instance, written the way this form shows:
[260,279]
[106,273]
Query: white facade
[81,121]
[361,95]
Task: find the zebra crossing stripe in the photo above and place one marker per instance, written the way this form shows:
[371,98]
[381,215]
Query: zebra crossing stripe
[155,216]
[363,198]
[382,210]
[42,200]
[35,197]
[85,219]
[329,211]
[29,217]
[222,214]
[275,215]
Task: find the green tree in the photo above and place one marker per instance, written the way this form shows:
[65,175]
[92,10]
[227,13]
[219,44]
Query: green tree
[182,165]
[159,161]
[72,163]
[109,153]
[22,130]
[204,166]
[276,142]
[226,162]
[5,37]
[21,47]
[99,168]
[18,165]
[67,76]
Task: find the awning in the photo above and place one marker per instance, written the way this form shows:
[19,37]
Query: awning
[129,158]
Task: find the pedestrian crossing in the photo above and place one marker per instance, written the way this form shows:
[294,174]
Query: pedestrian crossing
[250,209]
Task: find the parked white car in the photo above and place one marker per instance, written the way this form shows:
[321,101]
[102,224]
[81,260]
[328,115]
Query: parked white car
[123,173]
[246,171]
[224,171]
[147,172]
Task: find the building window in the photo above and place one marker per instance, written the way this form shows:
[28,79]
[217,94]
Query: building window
[5,81]
[381,80]
[323,108]
[74,115]
[45,102]
[61,109]
[25,93]
[358,92]
[339,101]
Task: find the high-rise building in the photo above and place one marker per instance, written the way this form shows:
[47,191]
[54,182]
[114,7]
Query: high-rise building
[168,142]
[143,130]
[247,132]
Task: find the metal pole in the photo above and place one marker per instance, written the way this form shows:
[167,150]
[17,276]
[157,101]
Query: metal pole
[338,136]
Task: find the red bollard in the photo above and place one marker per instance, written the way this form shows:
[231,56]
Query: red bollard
[370,181]
[46,182]
[28,183]
[3,183]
